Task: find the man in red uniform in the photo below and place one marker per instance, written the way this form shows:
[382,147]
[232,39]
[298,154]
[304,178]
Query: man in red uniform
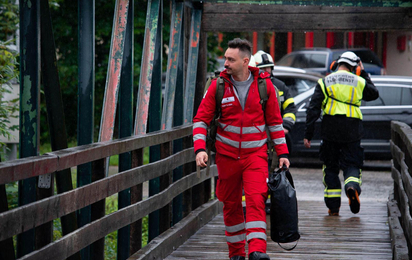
[241,149]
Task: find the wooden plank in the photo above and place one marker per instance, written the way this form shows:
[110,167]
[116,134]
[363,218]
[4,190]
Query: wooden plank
[405,134]
[398,240]
[164,244]
[363,3]
[393,210]
[241,8]
[23,218]
[361,236]
[63,159]
[66,246]
[242,17]
[403,203]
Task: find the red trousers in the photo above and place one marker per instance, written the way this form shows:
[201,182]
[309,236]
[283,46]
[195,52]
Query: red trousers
[250,174]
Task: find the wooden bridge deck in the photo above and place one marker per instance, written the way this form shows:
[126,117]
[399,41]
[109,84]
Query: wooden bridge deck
[349,236]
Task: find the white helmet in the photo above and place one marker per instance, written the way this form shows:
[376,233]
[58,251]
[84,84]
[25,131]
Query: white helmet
[350,58]
[252,62]
[263,59]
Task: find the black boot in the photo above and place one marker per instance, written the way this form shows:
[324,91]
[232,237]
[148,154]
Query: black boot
[237,257]
[258,256]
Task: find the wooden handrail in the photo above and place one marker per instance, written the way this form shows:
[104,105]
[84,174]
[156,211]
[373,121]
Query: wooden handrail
[68,245]
[399,213]
[20,169]
[24,218]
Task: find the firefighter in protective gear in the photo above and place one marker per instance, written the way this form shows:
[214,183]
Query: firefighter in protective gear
[339,96]
[241,148]
[265,62]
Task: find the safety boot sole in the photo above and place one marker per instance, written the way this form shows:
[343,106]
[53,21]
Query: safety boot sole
[354,202]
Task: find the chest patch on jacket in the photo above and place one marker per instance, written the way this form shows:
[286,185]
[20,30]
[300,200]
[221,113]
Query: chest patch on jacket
[227,100]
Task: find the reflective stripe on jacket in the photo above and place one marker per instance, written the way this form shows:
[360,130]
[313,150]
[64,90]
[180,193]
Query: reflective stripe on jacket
[240,132]
[343,94]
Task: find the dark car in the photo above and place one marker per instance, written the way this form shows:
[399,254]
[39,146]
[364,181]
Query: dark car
[394,103]
[319,59]
[297,80]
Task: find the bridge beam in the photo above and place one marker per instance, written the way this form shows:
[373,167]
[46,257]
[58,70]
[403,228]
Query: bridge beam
[286,18]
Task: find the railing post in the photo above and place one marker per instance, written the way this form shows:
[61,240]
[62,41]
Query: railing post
[56,119]
[85,111]
[190,95]
[136,193]
[178,117]
[149,95]
[172,107]
[98,209]
[29,106]
[126,126]
[155,115]
[110,98]
[165,217]
[199,190]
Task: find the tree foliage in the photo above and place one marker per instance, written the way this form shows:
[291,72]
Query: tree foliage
[8,65]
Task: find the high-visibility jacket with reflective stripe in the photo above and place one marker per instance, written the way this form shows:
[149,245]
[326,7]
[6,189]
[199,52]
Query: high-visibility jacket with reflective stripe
[343,94]
[336,125]
[240,132]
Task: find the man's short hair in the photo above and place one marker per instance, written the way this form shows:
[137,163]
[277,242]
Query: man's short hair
[243,45]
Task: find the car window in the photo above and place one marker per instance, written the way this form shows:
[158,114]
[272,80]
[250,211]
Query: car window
[309,60]
[317,61]
[388,96]
[287,60]
[301,85]
[406,97]
[297,85]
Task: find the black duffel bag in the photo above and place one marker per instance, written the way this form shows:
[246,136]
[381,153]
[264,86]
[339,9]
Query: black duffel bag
[284,208]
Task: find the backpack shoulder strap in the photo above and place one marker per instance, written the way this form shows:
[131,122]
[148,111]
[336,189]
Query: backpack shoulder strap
[263,92]
[220,90]
[212,130]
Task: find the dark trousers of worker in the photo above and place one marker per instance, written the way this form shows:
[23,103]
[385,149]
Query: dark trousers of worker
[336,156]
[249,173]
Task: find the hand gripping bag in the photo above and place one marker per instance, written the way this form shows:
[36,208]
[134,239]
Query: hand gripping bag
[283,208]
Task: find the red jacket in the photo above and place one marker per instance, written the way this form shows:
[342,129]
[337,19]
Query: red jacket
[240,132]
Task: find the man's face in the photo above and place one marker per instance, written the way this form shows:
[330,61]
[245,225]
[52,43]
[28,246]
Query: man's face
[267,69]
[234,61]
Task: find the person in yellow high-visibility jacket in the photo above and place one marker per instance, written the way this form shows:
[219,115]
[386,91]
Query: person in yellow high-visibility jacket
[339,96]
